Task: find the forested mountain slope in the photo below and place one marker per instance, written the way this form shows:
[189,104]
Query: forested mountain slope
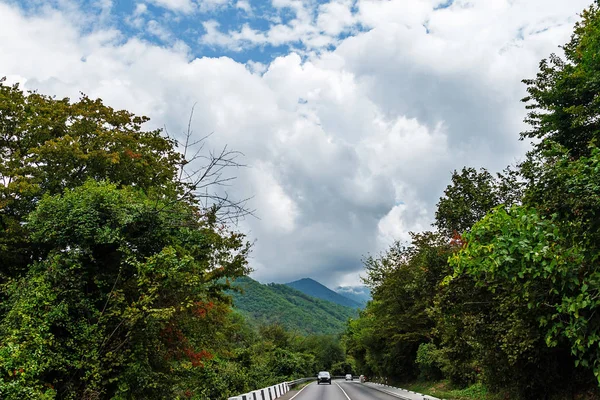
[294,310]
[315,289]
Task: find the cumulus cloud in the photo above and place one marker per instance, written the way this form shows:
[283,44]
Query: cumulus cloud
[313,26]
[244,5]
[348,147]
[184,6]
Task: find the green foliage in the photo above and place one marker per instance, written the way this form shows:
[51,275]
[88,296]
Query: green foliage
[325,349]
[113,279]
[445,390]
[119,277]
[470,196]
[315,289]
[519,260]
[341,368]
[429,360]
[563,97]
[385,339]
[514,310]
[48,145]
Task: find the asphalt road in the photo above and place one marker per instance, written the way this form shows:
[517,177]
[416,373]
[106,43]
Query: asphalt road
[339,390]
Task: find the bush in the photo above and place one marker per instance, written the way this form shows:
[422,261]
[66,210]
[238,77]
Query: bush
[429,361]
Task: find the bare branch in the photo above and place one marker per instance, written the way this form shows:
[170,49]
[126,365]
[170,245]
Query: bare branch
[205,174]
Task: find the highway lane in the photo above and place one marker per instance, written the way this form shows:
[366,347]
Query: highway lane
[339,390]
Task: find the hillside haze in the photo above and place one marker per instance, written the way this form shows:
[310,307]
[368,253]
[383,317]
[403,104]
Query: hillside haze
[315,289]
[281,304]
[360,294]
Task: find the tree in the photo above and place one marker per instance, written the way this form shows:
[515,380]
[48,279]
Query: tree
[49,145]
[563,98]
[113,264]
[471,195]
[403,283]
[539,311]
[121,299]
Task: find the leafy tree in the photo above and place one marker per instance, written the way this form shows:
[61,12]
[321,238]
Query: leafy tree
[111,267]
[403,283]
[121,299]
[563,98]
[429,361]
[326,350]
[518,309]
[48,145]
[470,196]
[539,304]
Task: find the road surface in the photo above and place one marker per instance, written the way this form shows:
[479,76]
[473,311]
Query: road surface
[342,390]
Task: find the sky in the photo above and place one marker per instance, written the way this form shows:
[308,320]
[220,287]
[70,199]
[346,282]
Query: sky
[351,114]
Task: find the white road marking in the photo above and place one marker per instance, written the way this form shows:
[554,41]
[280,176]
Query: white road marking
[300,391]
[398,395]
[343,391]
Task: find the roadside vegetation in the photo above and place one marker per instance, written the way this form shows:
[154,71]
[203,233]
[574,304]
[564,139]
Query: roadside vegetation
[116,257]
[117,253]
[501,297]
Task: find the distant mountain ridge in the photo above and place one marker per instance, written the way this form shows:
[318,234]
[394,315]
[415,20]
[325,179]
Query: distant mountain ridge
[293,309]
[315,289]
[361,294]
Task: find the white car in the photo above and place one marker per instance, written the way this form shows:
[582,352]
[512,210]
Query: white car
[323,377]
[348,377]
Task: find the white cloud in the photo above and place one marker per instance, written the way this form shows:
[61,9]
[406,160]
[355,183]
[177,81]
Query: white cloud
[211,5]
[183,6]
[270,195]
[335,17]
[315,33]
[158,30]
[394,227]
[348,149]
[140,9]
[244,5]
[136,19]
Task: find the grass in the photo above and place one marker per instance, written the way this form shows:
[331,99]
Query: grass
[301,385]
[478,391]
[443,390]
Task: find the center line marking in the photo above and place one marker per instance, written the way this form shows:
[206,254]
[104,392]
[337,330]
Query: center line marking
[343,391]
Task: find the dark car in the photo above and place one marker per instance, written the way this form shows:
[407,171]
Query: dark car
[323,377]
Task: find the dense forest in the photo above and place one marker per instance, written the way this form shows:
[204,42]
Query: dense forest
[315,289]
[293,310]
[115,268]
[504,291]
[116,263]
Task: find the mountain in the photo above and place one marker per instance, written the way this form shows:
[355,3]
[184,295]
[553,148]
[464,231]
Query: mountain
[315,289]
[360,294]
[296,311]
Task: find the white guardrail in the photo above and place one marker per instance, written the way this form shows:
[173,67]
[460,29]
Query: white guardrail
[271,392]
